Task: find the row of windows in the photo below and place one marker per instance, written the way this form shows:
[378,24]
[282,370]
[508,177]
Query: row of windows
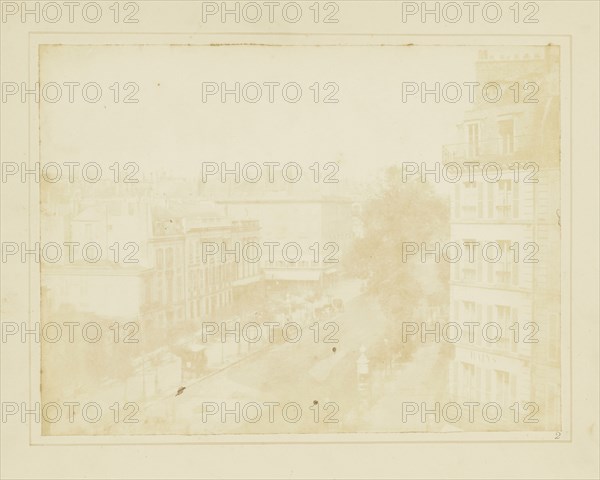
[203,308]
[503,315]
[198,309]
[506,263]
[206,251]
[168,288]
[503,144]
[512,333]
[502,274]
[167,257]
[498,200]
[477,384]
[495,262]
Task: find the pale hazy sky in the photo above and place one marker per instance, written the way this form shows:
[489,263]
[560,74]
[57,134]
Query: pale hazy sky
[171,128]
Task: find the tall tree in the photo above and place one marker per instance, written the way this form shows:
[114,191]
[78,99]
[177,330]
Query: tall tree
[399,213]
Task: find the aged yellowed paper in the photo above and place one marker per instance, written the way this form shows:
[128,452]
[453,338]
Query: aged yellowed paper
[237,235]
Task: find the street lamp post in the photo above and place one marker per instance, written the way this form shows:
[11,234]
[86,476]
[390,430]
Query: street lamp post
[362,366]
[362,373]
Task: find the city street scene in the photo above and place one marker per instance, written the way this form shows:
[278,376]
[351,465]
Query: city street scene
[254,248]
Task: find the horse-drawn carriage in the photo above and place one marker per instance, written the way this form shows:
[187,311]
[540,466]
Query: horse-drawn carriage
[193,360]
[327,308]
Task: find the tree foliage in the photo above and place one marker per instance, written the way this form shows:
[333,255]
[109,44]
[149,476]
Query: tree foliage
[401,212]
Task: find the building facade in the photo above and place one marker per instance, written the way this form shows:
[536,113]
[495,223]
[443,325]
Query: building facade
[507,219]
[156,268]
[311,234]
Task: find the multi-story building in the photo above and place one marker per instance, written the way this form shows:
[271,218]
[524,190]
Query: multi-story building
[154,268]
[307,221]
[508,218]
[106,269]
[316,230]
[248,287]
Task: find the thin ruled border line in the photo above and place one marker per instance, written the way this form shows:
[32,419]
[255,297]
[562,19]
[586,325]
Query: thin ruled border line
[318,441]
[404,433]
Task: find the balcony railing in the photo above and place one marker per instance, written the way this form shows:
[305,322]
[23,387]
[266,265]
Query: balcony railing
[500,149]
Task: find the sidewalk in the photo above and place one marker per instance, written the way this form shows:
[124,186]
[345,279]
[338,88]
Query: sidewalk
[420,380]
